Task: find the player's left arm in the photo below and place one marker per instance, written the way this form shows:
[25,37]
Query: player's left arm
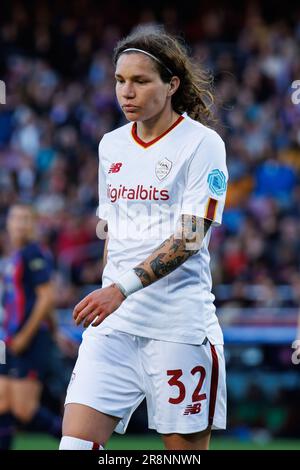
[171,254]
[174,251]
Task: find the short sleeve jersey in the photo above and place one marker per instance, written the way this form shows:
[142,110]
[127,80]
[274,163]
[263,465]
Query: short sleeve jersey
[143,190]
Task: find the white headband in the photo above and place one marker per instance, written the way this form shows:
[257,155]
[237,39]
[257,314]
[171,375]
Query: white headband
[150,55]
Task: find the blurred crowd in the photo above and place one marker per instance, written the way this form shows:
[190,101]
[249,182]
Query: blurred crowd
[55,58]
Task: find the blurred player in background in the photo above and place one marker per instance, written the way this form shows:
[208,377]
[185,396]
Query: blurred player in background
[28,300]
[152,329]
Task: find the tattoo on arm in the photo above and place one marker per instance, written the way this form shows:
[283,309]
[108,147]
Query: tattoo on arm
[175,250]
[143,275]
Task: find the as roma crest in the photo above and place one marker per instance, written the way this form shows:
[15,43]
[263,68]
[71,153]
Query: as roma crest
[163,168]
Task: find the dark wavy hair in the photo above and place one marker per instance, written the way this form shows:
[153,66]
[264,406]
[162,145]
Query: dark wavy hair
[194,95]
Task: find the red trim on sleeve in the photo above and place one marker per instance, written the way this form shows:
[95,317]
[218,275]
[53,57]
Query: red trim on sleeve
[211,209]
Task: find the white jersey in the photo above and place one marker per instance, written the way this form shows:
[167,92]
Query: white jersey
[143,190]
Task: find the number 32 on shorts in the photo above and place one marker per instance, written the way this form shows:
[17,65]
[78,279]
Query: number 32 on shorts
[174,381]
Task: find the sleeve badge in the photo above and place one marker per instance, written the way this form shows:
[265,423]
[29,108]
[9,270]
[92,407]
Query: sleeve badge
[217,182]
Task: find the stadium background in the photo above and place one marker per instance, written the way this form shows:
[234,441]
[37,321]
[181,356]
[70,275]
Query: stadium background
[55,58]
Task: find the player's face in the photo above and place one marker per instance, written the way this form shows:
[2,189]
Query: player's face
[140,91]
[20,224]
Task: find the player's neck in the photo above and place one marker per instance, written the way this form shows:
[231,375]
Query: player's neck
[156,126]
[18,243]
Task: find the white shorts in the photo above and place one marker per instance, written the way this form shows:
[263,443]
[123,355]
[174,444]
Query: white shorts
[184,384]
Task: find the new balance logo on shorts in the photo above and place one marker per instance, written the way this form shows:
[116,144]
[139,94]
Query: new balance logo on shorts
[115,167]
[193,409]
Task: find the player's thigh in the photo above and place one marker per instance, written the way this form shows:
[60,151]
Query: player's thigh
[86,423]
[185,387]
[194,441]
[4,394]
[25,397]
[107,375]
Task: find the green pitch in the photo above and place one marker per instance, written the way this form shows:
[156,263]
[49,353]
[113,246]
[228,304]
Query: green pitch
[129,442]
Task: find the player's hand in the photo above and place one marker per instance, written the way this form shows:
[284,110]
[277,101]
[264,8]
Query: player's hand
[96,306]
[19,343]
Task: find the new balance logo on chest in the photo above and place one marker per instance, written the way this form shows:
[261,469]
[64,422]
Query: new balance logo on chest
[128,185]
[162,168]
[115,167]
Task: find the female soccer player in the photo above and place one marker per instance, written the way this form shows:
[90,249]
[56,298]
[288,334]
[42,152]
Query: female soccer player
[27,300]
[152,329]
